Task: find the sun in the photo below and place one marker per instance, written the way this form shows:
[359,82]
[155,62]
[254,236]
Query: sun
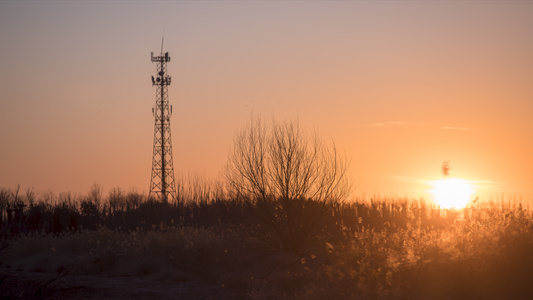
[451,192]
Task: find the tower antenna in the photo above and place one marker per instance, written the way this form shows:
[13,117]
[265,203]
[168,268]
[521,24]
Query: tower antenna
[162,183]
[162,40]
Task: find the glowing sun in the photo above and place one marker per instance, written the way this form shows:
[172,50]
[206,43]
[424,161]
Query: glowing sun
[451,192]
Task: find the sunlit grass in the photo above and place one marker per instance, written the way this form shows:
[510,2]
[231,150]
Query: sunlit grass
[368,249]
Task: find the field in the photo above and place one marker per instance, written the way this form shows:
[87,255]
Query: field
[124,246]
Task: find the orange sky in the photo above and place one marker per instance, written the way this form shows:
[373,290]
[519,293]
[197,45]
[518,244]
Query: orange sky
[400,86]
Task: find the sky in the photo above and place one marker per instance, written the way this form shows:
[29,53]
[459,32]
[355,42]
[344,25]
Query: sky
[400,86]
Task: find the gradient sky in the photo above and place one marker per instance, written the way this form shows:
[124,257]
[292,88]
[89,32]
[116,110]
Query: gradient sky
[400,87]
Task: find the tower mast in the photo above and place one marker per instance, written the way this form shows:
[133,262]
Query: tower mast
[162,183]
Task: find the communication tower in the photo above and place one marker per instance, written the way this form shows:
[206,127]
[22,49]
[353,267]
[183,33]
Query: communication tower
[162,183]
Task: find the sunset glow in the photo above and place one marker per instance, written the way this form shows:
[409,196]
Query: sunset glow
[452,192]
[399,86]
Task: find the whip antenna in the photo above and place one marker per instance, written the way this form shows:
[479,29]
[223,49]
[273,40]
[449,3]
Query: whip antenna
[162,40]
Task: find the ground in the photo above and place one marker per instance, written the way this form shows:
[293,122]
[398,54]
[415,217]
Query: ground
[19,284]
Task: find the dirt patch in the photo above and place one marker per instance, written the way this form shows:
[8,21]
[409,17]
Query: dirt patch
[19,284]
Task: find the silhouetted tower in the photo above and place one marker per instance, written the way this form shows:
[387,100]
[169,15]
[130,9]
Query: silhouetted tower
[162,184]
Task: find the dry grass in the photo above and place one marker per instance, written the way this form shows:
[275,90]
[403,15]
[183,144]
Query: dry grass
[380,250]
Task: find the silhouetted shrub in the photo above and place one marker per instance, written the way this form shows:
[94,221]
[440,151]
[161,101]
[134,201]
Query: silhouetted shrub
[64,218]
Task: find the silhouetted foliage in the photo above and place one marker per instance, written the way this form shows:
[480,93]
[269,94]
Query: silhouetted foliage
[362,249]
[290,224]
[288,180]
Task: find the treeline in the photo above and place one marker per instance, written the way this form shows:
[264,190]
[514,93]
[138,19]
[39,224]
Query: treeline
[25,211]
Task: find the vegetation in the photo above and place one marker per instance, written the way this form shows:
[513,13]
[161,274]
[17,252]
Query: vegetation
[289,181]
[280,161]
[374,249]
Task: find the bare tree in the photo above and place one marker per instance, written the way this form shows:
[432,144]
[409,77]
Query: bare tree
[5,199]
[291,178]
[90,205]
[282,161]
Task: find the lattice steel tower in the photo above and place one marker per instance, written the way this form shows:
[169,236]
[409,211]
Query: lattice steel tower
[162,184]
